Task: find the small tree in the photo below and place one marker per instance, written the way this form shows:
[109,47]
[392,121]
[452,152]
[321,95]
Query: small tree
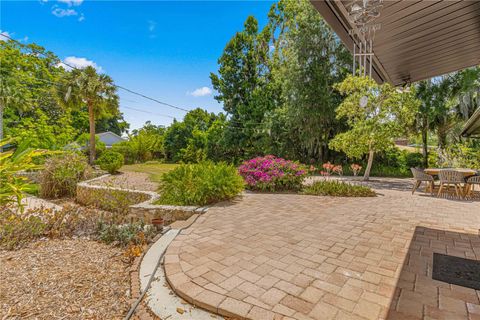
[376,115]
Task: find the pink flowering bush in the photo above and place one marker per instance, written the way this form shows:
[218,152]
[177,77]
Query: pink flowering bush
[270,173]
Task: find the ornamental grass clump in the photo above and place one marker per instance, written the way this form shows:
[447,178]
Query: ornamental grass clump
[200,184]
[62,173]
[338,189]
[270,173]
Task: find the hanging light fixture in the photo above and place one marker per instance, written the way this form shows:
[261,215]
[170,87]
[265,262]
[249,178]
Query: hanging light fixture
[362,14]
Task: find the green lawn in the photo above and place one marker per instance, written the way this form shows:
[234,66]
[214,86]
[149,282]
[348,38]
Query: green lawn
[153,168]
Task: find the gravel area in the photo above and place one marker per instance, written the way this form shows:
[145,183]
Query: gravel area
[129,180]
[64,279]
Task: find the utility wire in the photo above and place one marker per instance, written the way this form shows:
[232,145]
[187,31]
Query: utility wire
[240,125]
[144,111]
[118,86]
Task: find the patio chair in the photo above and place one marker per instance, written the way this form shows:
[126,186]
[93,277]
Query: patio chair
[451,178]
[471,182]
[419,176]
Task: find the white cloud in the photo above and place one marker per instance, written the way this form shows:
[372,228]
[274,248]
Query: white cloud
[79,63]
[71,2]
[7,34]
[151,25]
[60,13]
[200,92]
[81,18]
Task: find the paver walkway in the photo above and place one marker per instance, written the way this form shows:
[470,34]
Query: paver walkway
[282,256]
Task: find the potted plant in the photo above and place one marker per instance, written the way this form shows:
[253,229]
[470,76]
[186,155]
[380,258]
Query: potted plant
[158,223]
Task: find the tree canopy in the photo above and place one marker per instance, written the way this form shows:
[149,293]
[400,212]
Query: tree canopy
[376,114]
[31,99]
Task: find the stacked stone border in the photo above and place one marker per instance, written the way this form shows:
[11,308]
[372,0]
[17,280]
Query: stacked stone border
[134,204]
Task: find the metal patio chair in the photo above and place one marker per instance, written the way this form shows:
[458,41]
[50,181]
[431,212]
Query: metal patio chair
[451,178]
[419,176]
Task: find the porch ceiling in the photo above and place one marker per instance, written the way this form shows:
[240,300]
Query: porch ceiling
[417,39]
[472,127]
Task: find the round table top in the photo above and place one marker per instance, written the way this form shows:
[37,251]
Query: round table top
[467,172]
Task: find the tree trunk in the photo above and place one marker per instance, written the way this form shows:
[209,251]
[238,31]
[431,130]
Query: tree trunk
[1,123]
[442,137]
[425,142]
[366,175]
[91,118]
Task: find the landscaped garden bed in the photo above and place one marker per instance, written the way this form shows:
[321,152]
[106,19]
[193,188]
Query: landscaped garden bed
[337,189]
[273,174]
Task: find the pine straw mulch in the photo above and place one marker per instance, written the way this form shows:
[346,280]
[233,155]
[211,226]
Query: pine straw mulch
[64,279]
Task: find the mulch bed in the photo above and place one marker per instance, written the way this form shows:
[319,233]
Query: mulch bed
[64,279]
[128,180]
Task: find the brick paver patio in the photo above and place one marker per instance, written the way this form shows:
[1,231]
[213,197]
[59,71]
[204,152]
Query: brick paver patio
[281,256]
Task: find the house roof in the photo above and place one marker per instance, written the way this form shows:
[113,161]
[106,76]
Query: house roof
[109,137]
[417,39]
[109,133]
[472,127]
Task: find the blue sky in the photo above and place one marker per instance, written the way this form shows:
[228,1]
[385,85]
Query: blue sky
[163,49]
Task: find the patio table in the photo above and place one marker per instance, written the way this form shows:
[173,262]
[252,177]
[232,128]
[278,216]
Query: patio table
[465,171]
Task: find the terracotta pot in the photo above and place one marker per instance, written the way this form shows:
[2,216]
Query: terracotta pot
[158,223]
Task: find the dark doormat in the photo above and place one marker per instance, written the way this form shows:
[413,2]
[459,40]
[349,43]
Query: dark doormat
[455,270]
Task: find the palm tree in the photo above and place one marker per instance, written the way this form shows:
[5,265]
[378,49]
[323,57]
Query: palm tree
[447,101]
[97,91]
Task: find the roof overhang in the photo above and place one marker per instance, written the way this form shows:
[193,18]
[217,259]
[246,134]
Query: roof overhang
[472,127]
[418,39]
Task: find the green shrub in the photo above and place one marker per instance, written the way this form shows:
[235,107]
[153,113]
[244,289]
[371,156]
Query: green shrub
[390,171]
[145,145]
[413,160]
[110,161]
[338,189]
[200,184]
[61,175]
[460,155]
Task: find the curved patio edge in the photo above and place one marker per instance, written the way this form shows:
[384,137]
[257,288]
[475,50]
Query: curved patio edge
[189,288]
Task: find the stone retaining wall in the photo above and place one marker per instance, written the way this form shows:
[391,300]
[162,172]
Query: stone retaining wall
[134,204]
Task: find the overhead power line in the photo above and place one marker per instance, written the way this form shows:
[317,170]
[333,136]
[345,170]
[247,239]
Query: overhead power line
[149,112]
[152,99]
[236,124]
[117,86]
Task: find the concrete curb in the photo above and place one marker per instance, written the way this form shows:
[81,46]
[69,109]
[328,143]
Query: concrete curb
[160,301]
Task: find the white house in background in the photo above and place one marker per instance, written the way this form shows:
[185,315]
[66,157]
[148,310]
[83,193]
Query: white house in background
[109,138]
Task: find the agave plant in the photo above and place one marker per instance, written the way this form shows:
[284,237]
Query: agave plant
[12,185]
